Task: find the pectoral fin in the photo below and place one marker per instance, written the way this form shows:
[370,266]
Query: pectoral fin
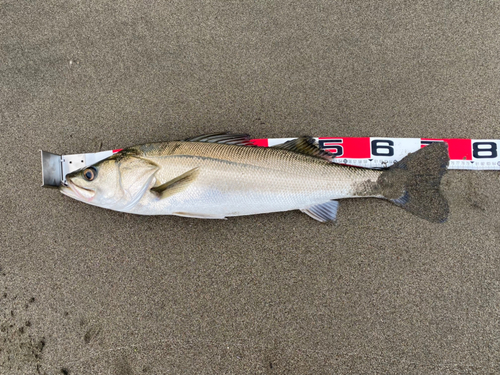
[176,185]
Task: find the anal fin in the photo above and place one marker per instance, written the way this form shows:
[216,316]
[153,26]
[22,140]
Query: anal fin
[323,212]
[176,185]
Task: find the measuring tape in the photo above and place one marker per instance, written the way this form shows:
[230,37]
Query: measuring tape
[378,152]
[366,152]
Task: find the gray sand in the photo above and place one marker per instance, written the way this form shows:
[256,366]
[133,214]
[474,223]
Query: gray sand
[89,291]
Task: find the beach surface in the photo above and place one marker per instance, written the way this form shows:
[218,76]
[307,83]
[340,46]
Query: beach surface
[85,290]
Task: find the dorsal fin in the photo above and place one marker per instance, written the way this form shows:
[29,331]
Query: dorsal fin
[305,145]
[225,138]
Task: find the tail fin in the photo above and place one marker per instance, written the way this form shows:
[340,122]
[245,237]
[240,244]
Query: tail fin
[413,183]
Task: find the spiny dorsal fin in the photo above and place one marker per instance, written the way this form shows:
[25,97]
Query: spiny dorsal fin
[177,184]
[225,138]
[305,145]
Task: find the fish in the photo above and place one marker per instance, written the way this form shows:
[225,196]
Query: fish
[222,175]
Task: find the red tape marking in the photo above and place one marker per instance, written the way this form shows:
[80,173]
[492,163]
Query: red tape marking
[458,149]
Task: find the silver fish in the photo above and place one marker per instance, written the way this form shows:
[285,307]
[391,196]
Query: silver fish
[222,175]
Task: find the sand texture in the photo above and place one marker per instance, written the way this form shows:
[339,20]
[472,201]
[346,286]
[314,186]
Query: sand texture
[89,291]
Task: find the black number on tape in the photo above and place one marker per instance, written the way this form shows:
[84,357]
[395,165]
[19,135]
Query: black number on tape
[330,146]
[484,150]
[382,147]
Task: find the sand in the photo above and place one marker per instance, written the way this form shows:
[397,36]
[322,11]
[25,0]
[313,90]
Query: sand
[89,291]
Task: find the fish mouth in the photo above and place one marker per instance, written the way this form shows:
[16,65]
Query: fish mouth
[74,191]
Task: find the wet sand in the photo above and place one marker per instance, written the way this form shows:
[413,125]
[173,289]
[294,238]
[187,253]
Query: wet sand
[89,291]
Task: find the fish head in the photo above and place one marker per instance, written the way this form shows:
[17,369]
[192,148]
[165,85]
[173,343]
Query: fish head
[98,184]
[117,182]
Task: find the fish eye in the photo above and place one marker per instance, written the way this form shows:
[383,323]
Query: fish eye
[90,173]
